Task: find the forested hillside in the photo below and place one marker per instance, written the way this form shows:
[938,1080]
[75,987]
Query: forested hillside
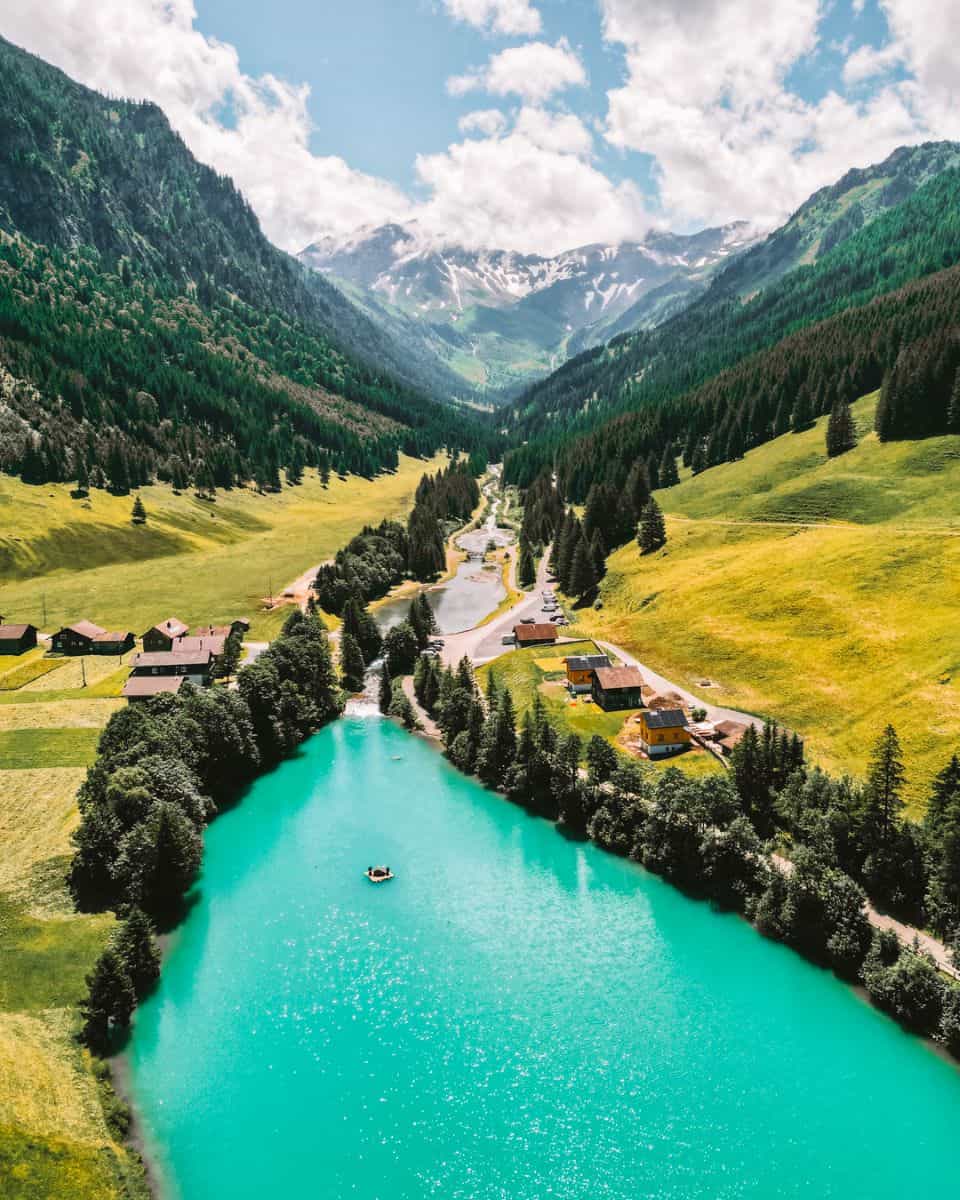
[660,376]
[148,328]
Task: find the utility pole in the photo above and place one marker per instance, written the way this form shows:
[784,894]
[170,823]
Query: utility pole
[83,671]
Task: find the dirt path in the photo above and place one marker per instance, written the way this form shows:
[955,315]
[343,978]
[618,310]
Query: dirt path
[431,729]
[907,934]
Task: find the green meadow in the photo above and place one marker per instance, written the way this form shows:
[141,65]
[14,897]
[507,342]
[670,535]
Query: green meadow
[822,592]
[63,559]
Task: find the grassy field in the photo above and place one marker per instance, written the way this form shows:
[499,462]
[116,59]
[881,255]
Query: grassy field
[62,559]
[821,592]
[539,669]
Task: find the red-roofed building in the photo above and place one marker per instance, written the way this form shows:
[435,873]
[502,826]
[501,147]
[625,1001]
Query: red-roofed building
[535,635]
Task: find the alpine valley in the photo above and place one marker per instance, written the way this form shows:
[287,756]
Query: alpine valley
[656,539]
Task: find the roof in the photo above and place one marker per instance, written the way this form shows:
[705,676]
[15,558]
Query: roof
[112,637]
[665,718]
[152,685]
[13,631]
[187,645]
[172,627]
[613,678]
[85,629]
[729,728]
[535,633]
[173,658]
[206,631]
[586,662]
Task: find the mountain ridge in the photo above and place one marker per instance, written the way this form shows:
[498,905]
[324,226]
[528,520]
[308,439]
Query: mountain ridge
[524,311]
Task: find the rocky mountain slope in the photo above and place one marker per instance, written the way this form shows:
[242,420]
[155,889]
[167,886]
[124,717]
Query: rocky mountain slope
[501,318]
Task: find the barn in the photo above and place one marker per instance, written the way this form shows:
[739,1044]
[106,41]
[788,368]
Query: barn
[17,639]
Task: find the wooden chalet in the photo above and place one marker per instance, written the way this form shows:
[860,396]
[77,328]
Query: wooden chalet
[534,635]
[17,639]
[161,637]
[663,731]
[84,637]
[193,665]
[580,669]
[617,688]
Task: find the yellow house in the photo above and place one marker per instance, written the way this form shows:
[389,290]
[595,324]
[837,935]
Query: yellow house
[663,731]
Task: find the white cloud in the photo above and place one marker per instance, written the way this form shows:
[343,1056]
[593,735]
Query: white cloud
[706,94]
[534,71]
[561,132]
[149,49]
[866,62]
[484,121]
[499,16]
[532,189]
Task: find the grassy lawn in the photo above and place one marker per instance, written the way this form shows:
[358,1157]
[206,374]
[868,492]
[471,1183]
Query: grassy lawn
[822,592]
[29,666]
[22,749]
[205,562]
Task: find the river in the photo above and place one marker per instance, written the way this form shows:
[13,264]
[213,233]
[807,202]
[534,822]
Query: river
[474,589]
[514,1016]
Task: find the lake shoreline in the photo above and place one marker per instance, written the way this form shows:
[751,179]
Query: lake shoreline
[415,878]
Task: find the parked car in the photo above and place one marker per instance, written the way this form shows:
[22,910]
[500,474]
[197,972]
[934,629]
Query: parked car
[528,621]
[508,640]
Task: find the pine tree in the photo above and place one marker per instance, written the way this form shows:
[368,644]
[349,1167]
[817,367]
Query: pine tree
[137,946]
[802,416]
[781,421]
[841,430]
[139,514]
[360,624]
[352,665]
[110,1000]
[953,410]
[526,566]
[653,471]
[598,556]
[669,475]
[498,743]
[583,578]
[652,533]
[734,447]
[885,779]
[83,478]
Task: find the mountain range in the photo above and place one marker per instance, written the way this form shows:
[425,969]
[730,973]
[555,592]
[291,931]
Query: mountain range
[148,328]
[501,319]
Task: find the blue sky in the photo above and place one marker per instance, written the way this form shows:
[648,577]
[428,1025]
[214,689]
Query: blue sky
[377,69]
[533,125]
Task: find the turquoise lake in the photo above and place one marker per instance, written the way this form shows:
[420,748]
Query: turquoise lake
[514,1016]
